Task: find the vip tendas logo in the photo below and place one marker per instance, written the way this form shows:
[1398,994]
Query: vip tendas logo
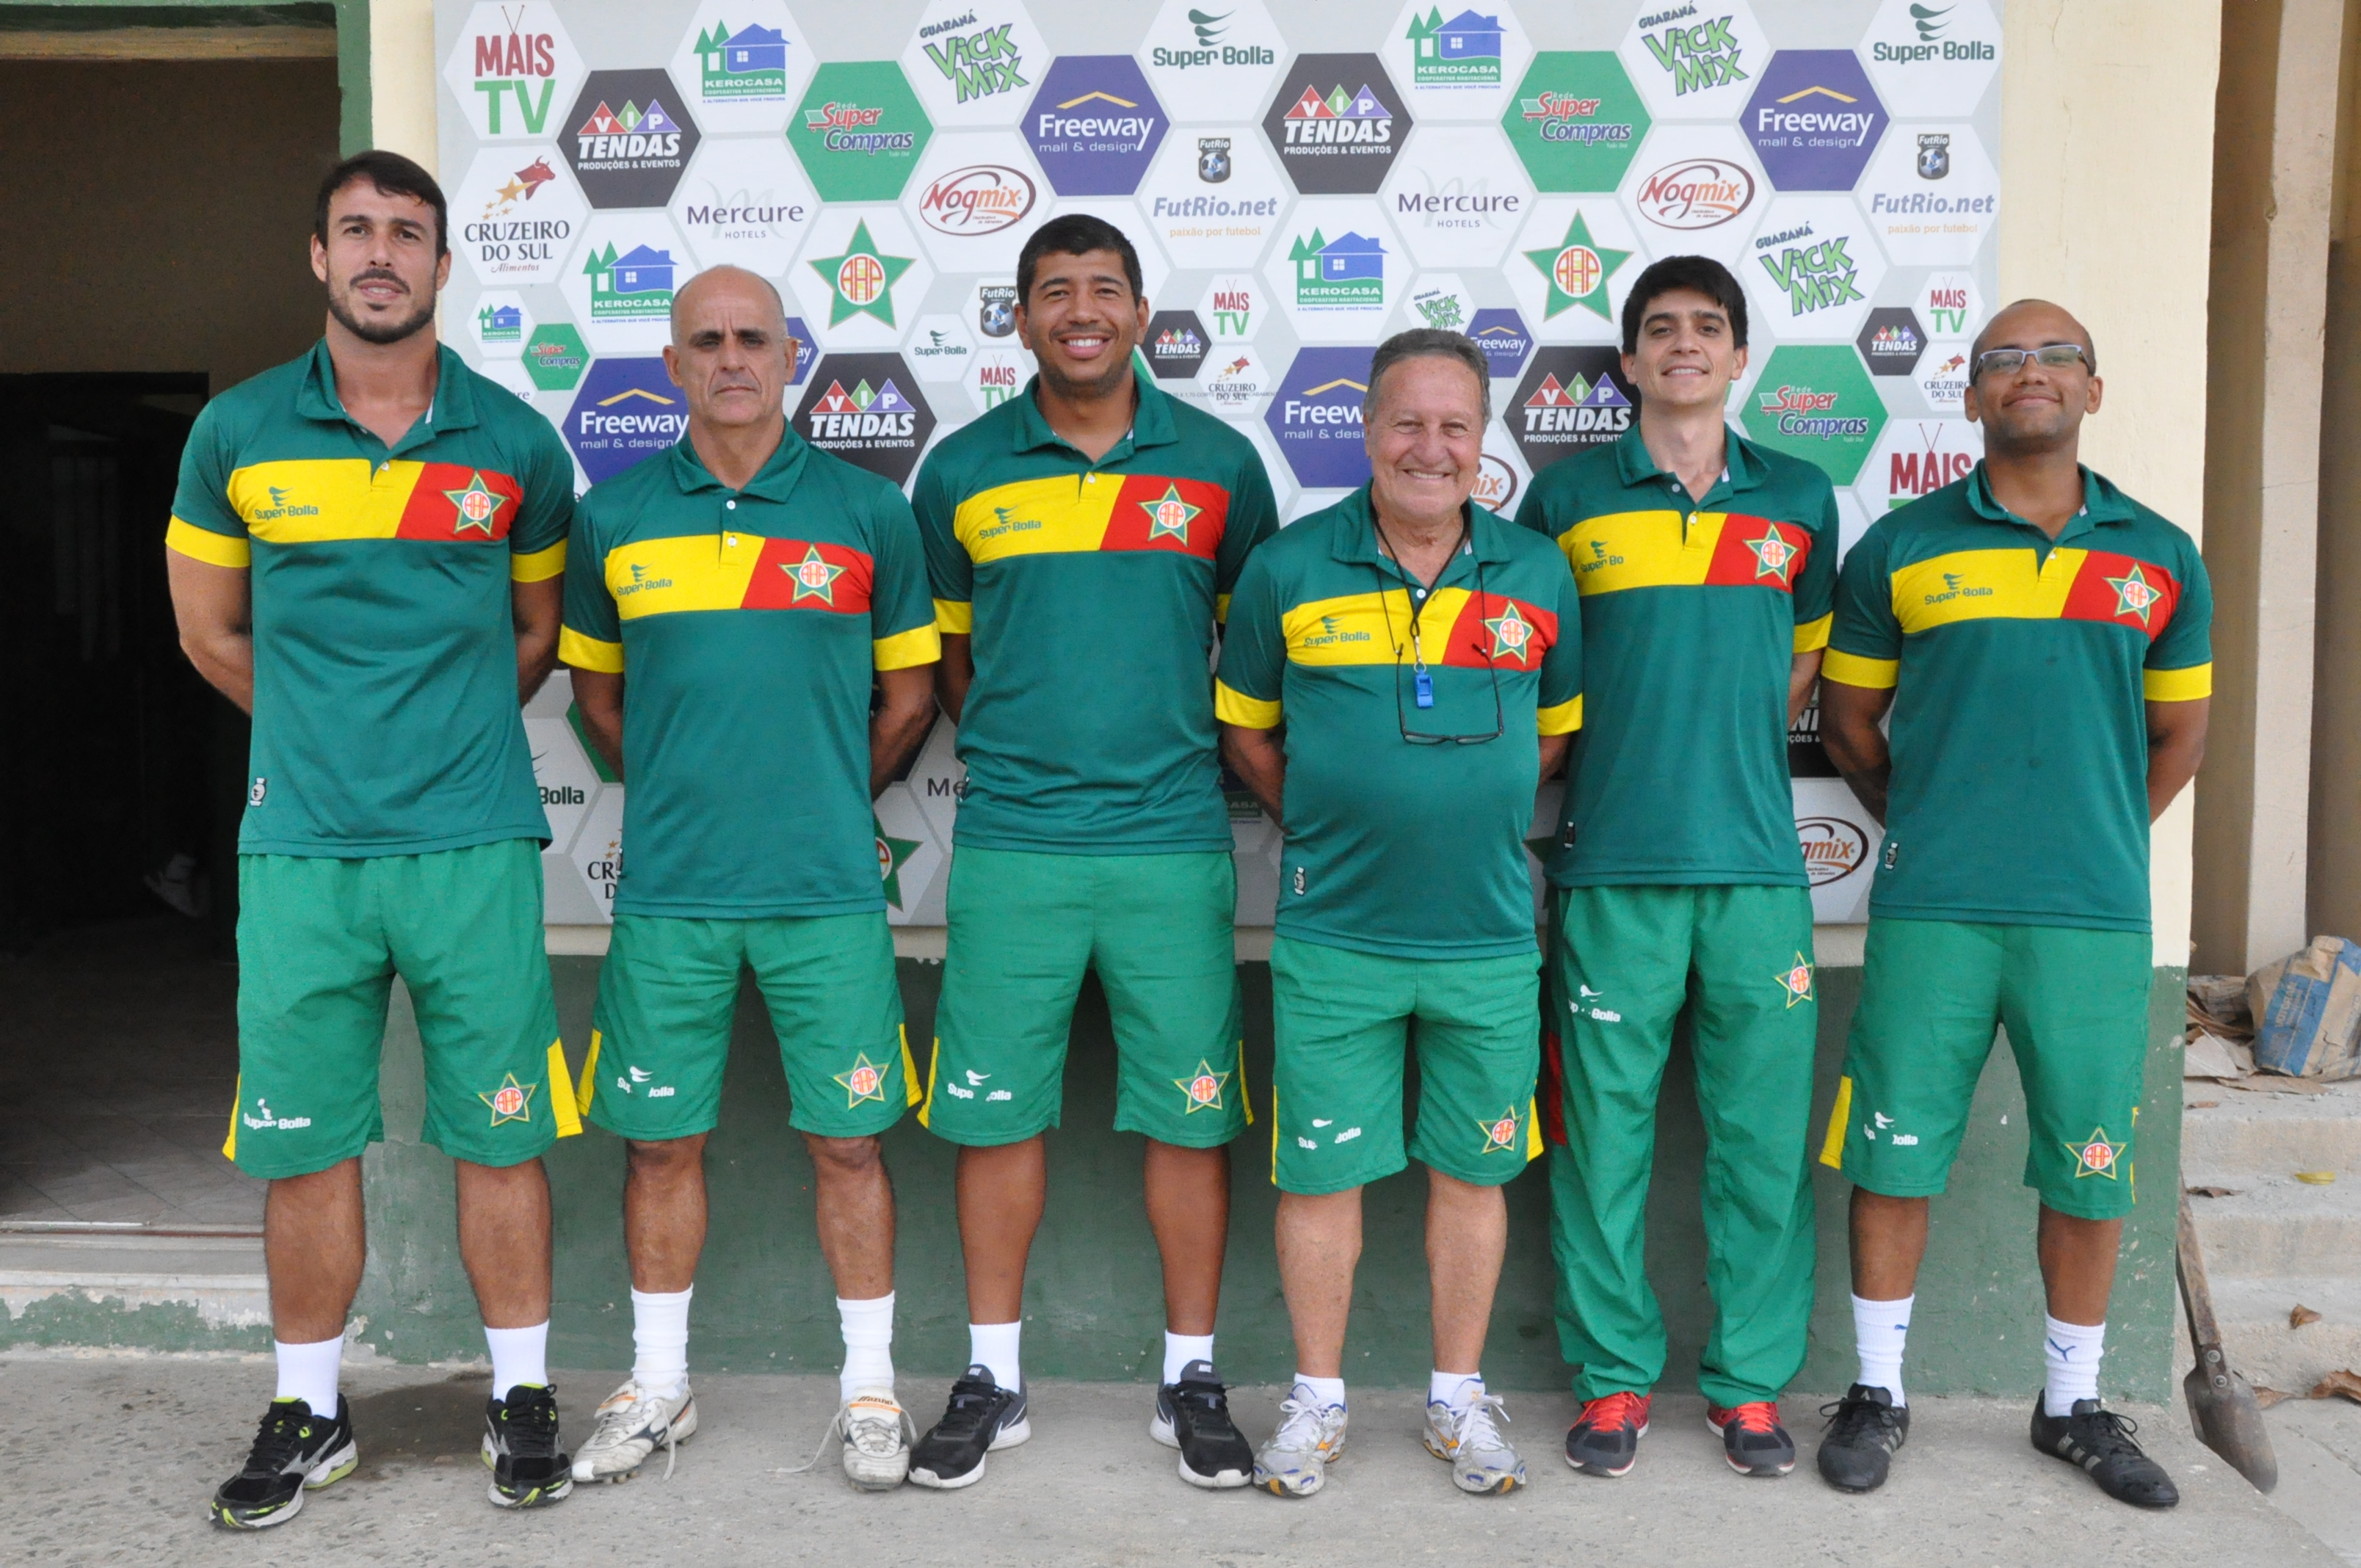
[512,1101]
[747,65]
[1815,275]
[2135,595]
[1697,57]
[1169,516]
[1463,52]
[1203,1089]
[1578,268]
[862,278]
[815,577]
[1347,273]
[479,505]
[864,1080]
[1513,634]
[634,288]
[981,64]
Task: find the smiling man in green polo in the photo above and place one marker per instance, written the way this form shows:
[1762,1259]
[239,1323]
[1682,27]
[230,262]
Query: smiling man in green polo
[735,598]
[1400,671]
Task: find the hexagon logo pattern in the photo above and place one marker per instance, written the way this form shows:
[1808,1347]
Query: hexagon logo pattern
[1811,268]
[859,131]
[1213,66]
[1576,121]
[1931,196]
[745,203]
[1457,196]
[1814,119]
[1933,57]
[1094,124]
[515,216]
[975,62]
[1696,61]
[1817,403]
[629,137]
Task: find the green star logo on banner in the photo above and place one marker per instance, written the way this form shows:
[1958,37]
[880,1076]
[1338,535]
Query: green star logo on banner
[815,577]
[1578,268]
[2135,595]
[862,278]
[1169,516]
[477,505]
[1513,634]
[891,854]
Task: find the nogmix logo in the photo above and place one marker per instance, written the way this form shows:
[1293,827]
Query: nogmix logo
[629,137]
[1316,417]
[1094,124]
[627,410]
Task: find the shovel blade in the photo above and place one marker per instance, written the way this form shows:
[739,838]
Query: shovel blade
[2229,1420]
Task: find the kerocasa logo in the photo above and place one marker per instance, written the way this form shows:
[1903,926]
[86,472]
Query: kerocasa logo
[742,65]
[632,288]
[1462,53]
[1347,273]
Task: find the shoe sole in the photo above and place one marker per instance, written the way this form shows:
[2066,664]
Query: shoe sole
[327,1473]
[1765,1472]
[1161,1429]
[684,1426]
[1006,1437]
[1581,1467]
[556,1491]
[1508,1483]
[1279,1487]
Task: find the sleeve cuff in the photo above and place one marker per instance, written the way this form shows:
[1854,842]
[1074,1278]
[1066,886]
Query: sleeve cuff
[1853,670]
[920,645]
[538,566]
[1562,718]
[2178,685]
[1232,706]
[1811,636]
[204,545]
[955,617]
[588,652]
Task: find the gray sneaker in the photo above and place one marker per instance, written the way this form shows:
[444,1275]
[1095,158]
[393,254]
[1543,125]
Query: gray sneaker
[1481,1460]
[1294,1462]
[633,1423]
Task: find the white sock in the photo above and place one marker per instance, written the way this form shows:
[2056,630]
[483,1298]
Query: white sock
[1879,1329]
[868,1329]
[519,1355]
[660,1340]
[308,1372]
[1324,1390]
[1180,1350]
[994,1345]
[2071,1352]
[1456,1389]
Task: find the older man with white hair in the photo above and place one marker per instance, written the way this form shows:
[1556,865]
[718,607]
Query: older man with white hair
[1399,672]
[734,601]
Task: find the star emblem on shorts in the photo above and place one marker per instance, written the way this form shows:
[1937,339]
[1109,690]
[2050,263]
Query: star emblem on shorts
[2135,595]
[1203,1089]
[512,1101]
[1169,516]
[2097,1156]
[1499,1132]
[1513,634]
[815,577]
[864,1080]
[1797,980]
[1775,557]
[476,505]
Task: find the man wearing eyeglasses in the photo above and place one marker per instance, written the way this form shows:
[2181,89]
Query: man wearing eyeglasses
[1400,671]
[1705,563]
[2042,642]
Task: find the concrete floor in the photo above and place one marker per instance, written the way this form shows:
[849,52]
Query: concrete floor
[110,1462]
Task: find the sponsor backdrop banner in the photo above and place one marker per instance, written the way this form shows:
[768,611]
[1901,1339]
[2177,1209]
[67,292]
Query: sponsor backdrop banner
[1301,180]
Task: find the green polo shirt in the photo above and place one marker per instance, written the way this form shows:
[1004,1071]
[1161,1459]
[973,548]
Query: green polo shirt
[2021,668]
[1090,590]
[385,668]
[1692,615]
[745,624]
[1414,850]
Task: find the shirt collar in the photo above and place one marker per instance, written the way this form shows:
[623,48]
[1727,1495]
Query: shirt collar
[1742,467]
[1357,539]
[454,407]
[2102,504]
[775,481]
[1151,422]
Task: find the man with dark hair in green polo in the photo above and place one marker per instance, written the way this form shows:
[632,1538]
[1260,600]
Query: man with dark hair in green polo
[1423,659]
[1082,539]
[365,553]
[2043,642]
[1706,564]
[731,602]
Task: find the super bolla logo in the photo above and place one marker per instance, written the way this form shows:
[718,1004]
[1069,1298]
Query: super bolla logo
[513,71]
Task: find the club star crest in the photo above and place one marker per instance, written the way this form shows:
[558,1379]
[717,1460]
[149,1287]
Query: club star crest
[862,278]
[864,1080]
[1169,516]
[1203,1089]
[1797,980]
[476,505]
[1499,1133]
[1578,268]
[815,577]
[2135,595]
[2100,1155]
[891,853]
[512,1101]
[1773,556]
[1513,634]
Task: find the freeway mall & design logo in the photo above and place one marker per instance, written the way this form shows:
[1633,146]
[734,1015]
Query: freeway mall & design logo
[1095,124]
[627,410]
[862,280]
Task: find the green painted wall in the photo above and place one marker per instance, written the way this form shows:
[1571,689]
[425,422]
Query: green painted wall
[764,1299]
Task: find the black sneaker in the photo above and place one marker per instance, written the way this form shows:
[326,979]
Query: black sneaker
[295,1451]
[1864,1429]
[2100,1441]
[1193,1416]
[521,1447]
[1751,1438]
[982,1416]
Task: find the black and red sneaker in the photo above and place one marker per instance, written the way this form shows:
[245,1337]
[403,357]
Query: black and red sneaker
[1751,1438]
[1604,1438]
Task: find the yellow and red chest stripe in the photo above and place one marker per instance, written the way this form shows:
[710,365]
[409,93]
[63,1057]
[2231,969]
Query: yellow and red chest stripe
[737,571]
[1653,550]
[2071,585]
[307,501]
[1076,513]
[1455,627]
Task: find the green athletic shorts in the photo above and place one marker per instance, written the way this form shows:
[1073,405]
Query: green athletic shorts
[319,941]
[668,995]
[1024,928]
[2075,1005]
[1343,1022]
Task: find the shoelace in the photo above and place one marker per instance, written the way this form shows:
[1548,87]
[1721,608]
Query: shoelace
[1755,1416]
[1845,1418]
[530,1425]
[619,1418]
[1209,1403]
[1303,1424]
[1472,1424]
[1610,1411]
[836,1431]
[279,1439]
[2113,1435]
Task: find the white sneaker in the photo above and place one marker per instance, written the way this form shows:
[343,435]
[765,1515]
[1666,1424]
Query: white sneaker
[633,1423]
[1311,1436]
[1481,1460]
[877,1433]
